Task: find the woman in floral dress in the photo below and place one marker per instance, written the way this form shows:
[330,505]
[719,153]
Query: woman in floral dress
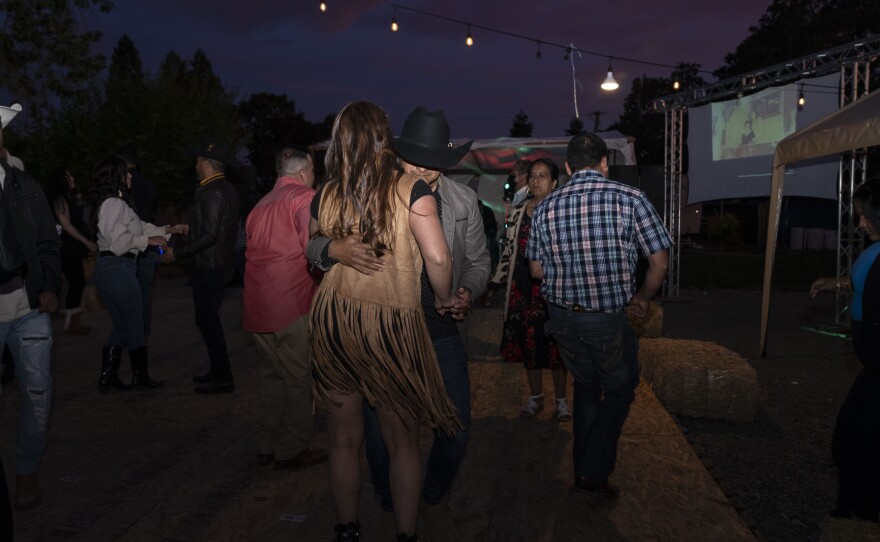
[525,311]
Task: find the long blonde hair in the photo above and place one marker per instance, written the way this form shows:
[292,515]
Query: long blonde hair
[362,174]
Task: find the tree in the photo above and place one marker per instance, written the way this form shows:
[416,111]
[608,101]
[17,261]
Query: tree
[160,119]
[270,122]
[44,53]
[794,28]
[521,125]
[575,127]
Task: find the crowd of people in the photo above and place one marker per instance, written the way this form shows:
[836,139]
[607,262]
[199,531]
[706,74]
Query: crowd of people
[357,297]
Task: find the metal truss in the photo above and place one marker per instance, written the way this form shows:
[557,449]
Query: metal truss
[814,65]
[672,204]
[853,61]
[855,83]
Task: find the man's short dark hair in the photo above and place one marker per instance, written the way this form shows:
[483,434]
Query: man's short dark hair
[585,150]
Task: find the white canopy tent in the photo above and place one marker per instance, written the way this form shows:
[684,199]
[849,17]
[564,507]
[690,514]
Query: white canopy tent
[856,126]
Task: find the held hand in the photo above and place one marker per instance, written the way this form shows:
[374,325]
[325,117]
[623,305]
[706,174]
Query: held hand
[92,247]
[179,229]
[352,252]
[48,302]
[463,301]
[443,305]
[157,241]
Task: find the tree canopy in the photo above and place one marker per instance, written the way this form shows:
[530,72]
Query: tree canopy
[45,54]
[793,28]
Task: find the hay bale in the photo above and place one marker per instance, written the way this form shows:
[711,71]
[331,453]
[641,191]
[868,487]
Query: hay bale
[849,530]
[650,325]
[700,379]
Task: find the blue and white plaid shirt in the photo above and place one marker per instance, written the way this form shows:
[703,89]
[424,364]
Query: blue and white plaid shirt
[588,236]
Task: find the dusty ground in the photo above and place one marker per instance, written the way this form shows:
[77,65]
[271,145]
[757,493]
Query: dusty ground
[778,469]
[170,465]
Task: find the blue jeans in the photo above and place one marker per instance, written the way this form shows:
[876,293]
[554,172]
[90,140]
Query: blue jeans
[601,352]
[30,341]
[117,285]
[146,274]
[447,453]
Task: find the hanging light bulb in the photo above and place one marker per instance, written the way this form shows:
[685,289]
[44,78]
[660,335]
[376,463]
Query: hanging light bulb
[801,99]
[394,26]
[538,54]
[609,83]
[675,84]
[323,6]
[567,53]
[470,39]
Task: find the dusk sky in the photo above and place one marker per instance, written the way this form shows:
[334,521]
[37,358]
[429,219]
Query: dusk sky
[324,60]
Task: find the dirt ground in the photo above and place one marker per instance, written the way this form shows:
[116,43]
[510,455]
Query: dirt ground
[777,470]
[170,465]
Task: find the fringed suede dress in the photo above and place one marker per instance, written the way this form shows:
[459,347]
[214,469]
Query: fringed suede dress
[368,332]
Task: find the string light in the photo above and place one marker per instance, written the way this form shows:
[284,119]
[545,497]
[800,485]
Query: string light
[610,83]
[801,99]
[394,26]
[568,49]
[538,54]
[323,6]
[470,39]
[675,85]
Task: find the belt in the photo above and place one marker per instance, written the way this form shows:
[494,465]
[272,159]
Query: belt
[574,307]
[107,253]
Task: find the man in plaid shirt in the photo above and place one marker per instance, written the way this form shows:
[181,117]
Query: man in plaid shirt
[586,238]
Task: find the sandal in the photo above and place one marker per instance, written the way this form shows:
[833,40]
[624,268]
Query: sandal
[534,405]
[562,412]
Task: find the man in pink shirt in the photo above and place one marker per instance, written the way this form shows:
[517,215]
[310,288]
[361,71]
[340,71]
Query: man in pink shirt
[278,290]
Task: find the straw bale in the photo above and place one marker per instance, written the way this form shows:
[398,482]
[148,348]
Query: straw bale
[650,325]
[849,530]
[699,379]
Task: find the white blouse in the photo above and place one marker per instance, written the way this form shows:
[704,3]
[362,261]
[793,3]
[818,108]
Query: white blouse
[121,231]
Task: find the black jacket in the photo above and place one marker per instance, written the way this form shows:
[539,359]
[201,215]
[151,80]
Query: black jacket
[213,226]
[36,233]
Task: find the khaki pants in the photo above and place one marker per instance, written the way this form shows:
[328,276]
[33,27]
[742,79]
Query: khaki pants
[286,423]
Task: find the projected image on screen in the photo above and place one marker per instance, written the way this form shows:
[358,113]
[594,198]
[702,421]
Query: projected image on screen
[752,125]
[731,143]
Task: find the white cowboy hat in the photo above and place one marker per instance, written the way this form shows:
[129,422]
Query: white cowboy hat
[8,113]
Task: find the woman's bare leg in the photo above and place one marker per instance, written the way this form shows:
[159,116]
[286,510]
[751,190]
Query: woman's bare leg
[345,432]
[401,434]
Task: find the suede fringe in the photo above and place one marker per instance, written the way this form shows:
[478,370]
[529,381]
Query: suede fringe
[381,351]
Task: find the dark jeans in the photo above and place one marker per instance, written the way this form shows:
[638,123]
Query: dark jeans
[447,453]
[146,274]
[116,282]
[208,286]
[601,352]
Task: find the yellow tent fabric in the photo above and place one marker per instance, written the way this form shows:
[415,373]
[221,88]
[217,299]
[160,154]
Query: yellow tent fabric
[855,126]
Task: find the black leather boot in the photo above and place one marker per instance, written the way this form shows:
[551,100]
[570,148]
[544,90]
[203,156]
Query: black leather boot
[109,369]
[348,531]
[140,378]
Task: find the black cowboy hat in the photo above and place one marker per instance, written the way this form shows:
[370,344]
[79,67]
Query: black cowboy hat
[425,141]
[215,150]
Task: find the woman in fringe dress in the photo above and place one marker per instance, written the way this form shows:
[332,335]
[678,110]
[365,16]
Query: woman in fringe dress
[368,332]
